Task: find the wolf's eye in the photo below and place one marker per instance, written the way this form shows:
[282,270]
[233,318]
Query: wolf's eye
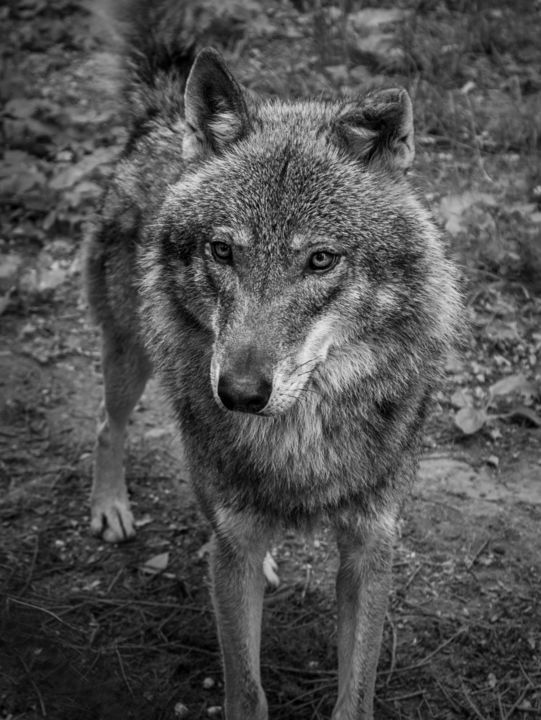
[221,252]
[322,261]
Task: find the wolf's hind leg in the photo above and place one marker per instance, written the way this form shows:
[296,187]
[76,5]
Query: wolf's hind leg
[126,370]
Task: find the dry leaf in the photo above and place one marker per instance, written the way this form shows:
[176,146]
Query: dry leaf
[374,17]
[461,399]
[513,384]
[526,413]
[470,420]
[453,208]
[157,563]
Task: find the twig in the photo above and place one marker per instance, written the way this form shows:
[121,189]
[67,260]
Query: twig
[36,688]
[389,708]
[471,703]
[516,703]
[158,647]
[307,581]
[445,505]
[471,563]
[114,581]
[123,672]
[43,610]
[406,696]
[282,594]
[309,693]
[124,602]
[526,676]
[522,694]
[448,697]
[428,657]
[315,714]
[411,578]
[299,671]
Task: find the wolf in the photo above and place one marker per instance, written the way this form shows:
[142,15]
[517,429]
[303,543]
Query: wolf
[271,263]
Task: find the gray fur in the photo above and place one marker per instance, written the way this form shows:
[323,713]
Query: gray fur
[353,355]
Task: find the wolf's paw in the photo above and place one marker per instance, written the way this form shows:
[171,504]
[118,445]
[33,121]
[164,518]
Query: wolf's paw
[270,570]
[112,520]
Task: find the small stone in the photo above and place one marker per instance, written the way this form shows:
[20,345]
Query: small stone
[214,711]
[181,711]
[208,683]
[495,433]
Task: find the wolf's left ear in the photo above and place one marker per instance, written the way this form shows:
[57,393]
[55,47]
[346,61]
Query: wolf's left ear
[214,107]
[378,129]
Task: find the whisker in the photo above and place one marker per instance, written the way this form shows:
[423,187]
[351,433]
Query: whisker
[313,359]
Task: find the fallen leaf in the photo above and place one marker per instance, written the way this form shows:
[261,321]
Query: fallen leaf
[454,363]
[157,563]
[501,330]
[374,17]
[21,181]
[338,73]
[71,175]
[142,522]
[22,107]
[159,432]
[525,413]
[83,191]
[513,384]
[470,420]
[5,300]
[461,399]
[10,265]
[453,208]
[181,711]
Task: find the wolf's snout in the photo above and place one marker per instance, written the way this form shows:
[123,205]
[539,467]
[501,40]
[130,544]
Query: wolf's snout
[245,393]
[245,380]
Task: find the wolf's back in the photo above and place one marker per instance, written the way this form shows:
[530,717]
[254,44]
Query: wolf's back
[154,44]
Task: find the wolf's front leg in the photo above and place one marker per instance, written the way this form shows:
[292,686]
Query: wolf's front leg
[362,588]
[125,371]
[238,580]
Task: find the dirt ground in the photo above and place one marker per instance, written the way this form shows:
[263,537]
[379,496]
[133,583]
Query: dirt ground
[100,632]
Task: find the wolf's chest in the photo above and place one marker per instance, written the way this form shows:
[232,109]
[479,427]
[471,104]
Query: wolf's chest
[300,465]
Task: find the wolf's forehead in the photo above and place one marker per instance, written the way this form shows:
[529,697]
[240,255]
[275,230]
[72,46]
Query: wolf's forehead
[245,237]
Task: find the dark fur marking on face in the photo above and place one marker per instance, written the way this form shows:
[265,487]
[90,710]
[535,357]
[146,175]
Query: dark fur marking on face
[283,171]
[387,410]
[210,278]
[181,245]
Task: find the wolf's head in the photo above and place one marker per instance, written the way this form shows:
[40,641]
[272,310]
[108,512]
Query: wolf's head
[294,242]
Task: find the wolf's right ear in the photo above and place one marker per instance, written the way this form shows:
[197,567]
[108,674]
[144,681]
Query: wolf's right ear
[214,107]
[378,129]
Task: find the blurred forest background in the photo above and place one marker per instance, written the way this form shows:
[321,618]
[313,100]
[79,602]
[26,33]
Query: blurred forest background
[103,632]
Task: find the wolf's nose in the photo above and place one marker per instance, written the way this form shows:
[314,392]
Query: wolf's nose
[244,393]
